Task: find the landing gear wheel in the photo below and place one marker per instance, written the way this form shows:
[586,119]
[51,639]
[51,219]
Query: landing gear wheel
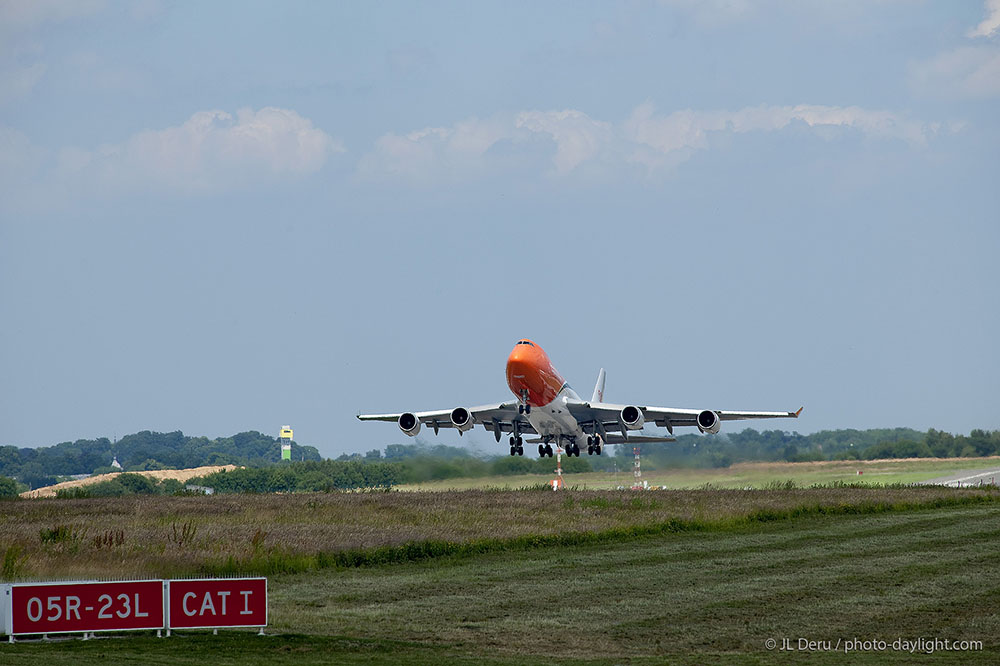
[597,449]
[512,451]
[541,451]
[527,409]
[576,450]
[590,450]
[520,409]
[512,442]
[520,450]
[548,450]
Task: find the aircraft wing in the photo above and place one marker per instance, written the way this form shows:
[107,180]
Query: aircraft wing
[602,415]
[498,418]
[618,439]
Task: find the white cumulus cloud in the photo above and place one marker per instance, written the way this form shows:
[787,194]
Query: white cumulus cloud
[991,23]
[211,151]
[423,153]
[687,130]
[565,139]
[577,136]
[968,72]
[563,142]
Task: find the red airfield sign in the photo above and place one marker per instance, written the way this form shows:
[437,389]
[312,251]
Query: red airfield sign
[53,608]
[217,603]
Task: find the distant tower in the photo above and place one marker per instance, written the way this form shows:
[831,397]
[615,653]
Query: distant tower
[286,442]
[114,460]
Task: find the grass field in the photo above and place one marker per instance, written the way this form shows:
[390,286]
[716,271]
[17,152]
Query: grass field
[741,475]
[532,577]
[169,536]
[708,595]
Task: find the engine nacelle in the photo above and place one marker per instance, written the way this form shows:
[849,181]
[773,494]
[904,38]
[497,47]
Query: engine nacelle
[709,422]
[632,417]
[462,419]
[409,423]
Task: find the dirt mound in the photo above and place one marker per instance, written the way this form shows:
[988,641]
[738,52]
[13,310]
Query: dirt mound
[179,474]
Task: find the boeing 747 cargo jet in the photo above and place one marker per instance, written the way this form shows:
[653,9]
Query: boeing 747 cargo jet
[547,407]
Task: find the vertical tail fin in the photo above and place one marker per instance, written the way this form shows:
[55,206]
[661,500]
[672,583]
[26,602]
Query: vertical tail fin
[599,388]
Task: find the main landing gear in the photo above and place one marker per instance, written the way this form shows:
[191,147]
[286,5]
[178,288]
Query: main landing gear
[544,450]
[593,446]
[573,449]
[516,446]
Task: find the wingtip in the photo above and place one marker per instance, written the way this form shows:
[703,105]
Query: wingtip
[799,412]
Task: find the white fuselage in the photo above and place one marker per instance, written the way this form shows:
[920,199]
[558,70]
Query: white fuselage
[554,419]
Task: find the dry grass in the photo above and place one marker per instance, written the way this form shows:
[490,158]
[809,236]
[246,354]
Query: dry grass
[157,475]
[162,536]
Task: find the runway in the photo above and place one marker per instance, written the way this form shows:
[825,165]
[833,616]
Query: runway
[989,476]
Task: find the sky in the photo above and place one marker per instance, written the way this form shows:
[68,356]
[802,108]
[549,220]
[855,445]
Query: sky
[229,216]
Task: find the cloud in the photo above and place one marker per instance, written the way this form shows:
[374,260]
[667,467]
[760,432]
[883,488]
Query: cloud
[431,151]
[561,139]
[971,71]
[683,131]
[990,24]
[211,151]
[577,136]
[968,72]
[564,142]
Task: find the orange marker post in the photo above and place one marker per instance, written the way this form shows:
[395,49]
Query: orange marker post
[557,482]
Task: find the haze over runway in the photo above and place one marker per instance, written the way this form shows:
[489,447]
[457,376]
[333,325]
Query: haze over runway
[232,216]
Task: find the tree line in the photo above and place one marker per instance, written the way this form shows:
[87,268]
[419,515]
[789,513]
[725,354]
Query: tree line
[724,449]
[37,467]
[415,463]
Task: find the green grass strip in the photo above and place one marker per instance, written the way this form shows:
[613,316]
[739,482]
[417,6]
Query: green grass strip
[279,561]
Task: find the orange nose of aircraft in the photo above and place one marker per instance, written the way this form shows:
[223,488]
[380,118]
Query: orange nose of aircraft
[530,371]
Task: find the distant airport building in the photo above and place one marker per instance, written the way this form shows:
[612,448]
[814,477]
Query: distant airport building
[115,463]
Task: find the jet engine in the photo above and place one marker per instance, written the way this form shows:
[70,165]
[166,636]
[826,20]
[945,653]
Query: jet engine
[409,423]
[462,419]
[709,422]
[632,417]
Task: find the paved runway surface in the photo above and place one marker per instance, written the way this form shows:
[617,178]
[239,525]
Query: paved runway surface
[968,478]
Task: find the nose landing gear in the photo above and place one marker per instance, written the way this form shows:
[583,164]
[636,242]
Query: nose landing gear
[524,407]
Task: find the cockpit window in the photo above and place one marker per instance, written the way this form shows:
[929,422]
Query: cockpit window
[525,342]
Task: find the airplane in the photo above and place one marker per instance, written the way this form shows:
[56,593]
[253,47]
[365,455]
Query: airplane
[546,406]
